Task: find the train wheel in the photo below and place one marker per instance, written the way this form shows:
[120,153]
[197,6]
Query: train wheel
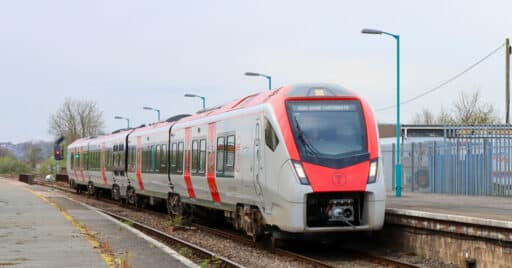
[131,196]
[116,193]
[174,204]
[90,189]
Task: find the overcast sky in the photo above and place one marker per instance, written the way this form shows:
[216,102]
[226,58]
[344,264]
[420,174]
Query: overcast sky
[129,54]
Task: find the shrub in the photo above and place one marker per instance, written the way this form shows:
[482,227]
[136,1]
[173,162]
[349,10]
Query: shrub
[9,165]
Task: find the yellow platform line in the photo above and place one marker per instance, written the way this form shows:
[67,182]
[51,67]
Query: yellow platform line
[109,260]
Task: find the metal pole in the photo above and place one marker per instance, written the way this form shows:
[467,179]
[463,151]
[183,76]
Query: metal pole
[128,120]
[398,167]
[204,102]
[507,79]
[270,82]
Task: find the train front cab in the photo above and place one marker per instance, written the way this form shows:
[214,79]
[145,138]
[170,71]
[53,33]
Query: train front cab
[334,181]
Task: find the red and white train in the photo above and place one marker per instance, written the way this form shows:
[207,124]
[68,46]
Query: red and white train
[301,159]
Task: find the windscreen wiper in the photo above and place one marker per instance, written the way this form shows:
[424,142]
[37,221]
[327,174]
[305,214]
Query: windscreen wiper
[307,146]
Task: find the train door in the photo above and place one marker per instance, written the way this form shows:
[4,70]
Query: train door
[258,169]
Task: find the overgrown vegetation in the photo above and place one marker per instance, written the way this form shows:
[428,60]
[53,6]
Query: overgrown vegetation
[9,165]
[48,167]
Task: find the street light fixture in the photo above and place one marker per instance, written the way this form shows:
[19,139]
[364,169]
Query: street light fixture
[127,119]
[197,96]
[398,166]
[269,78]
[153,109]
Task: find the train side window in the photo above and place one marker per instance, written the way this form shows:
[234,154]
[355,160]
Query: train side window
[179,164]
[153,158]
[220,155]
[195,157]
[202,157]
[157,158]
[122,156]
[174,158]
[229,163]
[163,159]
[145,159]
[271,139]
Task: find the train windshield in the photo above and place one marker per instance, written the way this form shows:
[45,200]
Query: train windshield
[329,133]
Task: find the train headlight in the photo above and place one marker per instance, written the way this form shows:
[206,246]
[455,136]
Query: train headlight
[300,172]
[372,174]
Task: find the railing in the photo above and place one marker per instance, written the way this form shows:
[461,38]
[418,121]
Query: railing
[467,161]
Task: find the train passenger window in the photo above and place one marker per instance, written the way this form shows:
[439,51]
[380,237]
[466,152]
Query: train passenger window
[144,160]
[220,155]
[195,157]
[174,158]
[179,164]
[270,136]
[229,163]
[152,157]
[202,157]
[158,158]
[122,157]
[163,159]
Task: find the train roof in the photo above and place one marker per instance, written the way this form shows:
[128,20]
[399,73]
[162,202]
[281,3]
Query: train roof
[309,90]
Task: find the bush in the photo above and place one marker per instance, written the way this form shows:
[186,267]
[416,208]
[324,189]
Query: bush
[9,165]
[49,166]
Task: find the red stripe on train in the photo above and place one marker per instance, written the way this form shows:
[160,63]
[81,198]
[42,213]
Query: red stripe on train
[103,147]
[139,163]
[188,156]
[211,162]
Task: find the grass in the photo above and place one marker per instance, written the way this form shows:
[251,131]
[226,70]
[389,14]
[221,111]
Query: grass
[185,251]
[128,222]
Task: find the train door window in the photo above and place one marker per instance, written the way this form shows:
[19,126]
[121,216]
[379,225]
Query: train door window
[229,163]
[220,155]
[163,159]
[179,163]
[158,158]
[202,157]
[195,157]
[271,139]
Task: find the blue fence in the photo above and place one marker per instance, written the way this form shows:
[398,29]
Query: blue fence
[458,168]
[467,161]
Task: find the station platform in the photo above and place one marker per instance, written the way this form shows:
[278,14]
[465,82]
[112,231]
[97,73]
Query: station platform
[485,208]
[42,228]
[466,231]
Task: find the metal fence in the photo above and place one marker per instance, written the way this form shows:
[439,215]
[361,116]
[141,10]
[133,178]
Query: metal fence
[467,161]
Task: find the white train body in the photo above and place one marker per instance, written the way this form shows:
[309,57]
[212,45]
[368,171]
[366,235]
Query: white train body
[253,160]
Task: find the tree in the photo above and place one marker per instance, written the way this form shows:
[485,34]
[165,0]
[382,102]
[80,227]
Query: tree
[5,152]
[468,109]
[425,117]
[32,153]
[76,119]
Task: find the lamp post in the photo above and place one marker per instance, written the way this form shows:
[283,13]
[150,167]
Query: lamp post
[269,78]
[127,119]
[153,109]
[398,166]
[197,96]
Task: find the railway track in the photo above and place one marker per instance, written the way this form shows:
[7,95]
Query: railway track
[224,262]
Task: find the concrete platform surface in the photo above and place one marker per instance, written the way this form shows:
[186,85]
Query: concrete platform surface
[38,235]
[33,233]
[480,207]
